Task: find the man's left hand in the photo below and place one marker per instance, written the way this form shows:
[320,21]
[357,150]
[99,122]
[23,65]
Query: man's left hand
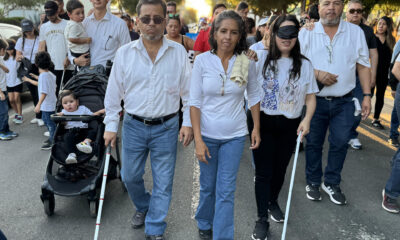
[186,135]
[366,107]
[66,63]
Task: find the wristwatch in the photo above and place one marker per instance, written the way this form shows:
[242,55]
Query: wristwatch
[367,95]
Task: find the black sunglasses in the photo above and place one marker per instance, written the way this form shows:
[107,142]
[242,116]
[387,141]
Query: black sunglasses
[156,19]
[352,11]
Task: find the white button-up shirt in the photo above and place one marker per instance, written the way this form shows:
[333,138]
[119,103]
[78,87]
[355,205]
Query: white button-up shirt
[339,56]
[108,34]
[149,90]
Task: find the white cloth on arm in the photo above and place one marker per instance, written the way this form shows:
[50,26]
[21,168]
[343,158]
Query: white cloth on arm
[222,117]
[27,49]
[279,95]
[3,82]
[82,110]
[47,85]
[76,30]
[53,35]
[339,56]
[149,90]
[257,46]
[108,35]
[11,77]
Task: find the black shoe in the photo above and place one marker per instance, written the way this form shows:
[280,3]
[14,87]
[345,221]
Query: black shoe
[155,237]
[46,146]
[335,194]
[205,234]
[138,219]
[389,204]
[377,124]
[394,142]
[313,192]
[276,212]
[260,231]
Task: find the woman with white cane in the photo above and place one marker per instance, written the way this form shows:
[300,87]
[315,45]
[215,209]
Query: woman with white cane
[287,81]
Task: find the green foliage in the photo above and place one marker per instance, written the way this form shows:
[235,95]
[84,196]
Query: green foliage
[130,5]
[14,20]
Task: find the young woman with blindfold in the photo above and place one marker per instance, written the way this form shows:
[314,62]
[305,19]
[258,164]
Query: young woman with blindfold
[287,81]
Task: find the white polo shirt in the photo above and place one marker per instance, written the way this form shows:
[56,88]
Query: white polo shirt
[339,56]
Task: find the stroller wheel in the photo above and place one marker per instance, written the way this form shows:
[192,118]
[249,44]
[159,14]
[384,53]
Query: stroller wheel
[93,208]
[49,205]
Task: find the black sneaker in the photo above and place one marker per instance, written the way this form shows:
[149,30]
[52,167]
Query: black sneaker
[155,237]
[46,146]
[389,204]
[335,194]
[394,142]
[313,192]
[377,124]
[205,234]
[137,220]
[260,231]
[276,212]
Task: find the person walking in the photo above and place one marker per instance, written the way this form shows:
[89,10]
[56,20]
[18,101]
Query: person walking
[150,75]
[394,121]
[173,26]
[336,49]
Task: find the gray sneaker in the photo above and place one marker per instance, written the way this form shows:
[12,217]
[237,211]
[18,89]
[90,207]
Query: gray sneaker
[138,219]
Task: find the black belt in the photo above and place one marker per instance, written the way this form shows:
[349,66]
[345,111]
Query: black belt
[154,121]
[350,94]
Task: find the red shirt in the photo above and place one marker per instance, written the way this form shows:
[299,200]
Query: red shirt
[201,43]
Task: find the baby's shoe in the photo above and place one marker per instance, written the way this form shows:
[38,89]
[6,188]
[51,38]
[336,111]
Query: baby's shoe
[71,159]
[84,147]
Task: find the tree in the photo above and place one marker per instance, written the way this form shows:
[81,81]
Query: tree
[13,4]
[261,7]
[130,5]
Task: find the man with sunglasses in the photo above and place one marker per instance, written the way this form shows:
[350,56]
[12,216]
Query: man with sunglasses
[354,15]
[150,75]
[108,33]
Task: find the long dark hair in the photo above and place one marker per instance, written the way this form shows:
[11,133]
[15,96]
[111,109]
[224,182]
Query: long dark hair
[390,40]
[274,53]
[216,24]
[7,56]
[35,32]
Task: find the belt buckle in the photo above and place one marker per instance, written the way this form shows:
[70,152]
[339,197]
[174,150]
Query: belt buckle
[147,122]
[329,98]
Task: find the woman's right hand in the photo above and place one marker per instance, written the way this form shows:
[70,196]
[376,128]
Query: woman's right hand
[19,58]
[202,151]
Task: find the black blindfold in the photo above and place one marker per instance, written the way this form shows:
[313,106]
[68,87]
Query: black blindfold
[288,32]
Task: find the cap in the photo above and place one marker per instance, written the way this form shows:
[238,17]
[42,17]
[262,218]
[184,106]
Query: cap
[263,21]
[50,8]
[26,25]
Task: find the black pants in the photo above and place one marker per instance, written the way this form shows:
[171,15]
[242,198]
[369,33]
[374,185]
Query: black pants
[59,73]
[34,89]
[271,159]
[76,135]
[381,84]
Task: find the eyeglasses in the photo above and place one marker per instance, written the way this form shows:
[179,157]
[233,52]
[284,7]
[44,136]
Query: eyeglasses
[156,19]
[358,11]
[223,78]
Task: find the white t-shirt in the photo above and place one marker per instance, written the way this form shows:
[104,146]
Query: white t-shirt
[47,85]
[76,30]
[279,95]
[257,46]
[3,84]
[53,35]
[11,77]
[82,110]
[27,49]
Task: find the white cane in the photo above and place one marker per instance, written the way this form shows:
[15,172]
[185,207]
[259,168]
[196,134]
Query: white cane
[62,82]
[296,155]
[103,189]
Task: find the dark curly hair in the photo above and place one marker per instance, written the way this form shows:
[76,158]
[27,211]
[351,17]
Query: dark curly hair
[43,61]
[230,14]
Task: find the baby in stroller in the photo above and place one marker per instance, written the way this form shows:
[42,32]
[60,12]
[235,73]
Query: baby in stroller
[77,130]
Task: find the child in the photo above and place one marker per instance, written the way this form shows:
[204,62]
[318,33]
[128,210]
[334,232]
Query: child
[14,84]
[47,93]
[5,133]
[71,106]
[77,38]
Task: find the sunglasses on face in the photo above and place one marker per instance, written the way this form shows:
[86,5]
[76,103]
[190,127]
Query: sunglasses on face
[156,19]
[352,11]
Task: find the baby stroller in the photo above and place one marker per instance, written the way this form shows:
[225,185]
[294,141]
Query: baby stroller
[85,177]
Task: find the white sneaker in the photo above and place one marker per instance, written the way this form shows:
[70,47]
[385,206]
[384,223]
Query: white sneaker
[84,147]
[40,122]
[355,144]
[35,120]
[46,134]
[71,159]
[19,120]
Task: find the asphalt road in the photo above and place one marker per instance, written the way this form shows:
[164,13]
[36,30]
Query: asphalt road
[22,167]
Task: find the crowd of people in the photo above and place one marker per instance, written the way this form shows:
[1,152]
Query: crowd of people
[292,77]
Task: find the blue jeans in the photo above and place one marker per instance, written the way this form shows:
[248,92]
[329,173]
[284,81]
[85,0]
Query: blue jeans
[218,185]
[138,140]
[4,127]
[358,93]
[51,126]
[394,123]
[392,188]
[338,115]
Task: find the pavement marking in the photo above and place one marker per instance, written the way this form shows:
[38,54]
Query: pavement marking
[196,186]
[363,130]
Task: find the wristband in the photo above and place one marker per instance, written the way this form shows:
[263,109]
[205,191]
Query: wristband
[367,95]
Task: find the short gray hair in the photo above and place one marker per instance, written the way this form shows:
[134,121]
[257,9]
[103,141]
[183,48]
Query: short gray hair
[151,2]
[355,2]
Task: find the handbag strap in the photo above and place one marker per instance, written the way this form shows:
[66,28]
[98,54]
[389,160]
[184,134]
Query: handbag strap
[33,46]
